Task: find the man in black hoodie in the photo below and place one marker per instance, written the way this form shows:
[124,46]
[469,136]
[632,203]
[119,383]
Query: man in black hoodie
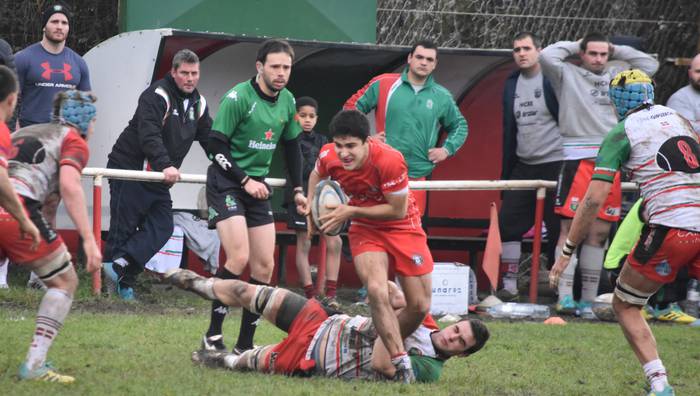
[170,116]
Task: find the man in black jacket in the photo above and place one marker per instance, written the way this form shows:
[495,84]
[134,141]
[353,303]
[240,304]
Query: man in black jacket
[532,149]
[170,116]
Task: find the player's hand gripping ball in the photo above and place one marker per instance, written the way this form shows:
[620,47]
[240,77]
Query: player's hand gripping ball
[327,196]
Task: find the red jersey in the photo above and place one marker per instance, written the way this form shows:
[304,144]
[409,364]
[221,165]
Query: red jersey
[383,172]
[5,144]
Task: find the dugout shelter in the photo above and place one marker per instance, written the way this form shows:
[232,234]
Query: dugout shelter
[124,65]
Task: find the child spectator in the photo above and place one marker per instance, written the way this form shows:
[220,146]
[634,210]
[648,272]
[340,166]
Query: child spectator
[311,143]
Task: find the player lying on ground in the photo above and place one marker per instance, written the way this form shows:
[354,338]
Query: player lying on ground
[355,349]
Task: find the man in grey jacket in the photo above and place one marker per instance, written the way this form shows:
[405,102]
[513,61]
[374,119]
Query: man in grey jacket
[585,117]
[686,100]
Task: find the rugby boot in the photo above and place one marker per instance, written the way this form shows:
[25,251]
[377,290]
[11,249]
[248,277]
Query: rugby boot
[674,314]
[45,373]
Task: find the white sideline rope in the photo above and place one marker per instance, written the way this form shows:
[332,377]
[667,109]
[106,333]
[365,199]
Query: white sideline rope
[430,185]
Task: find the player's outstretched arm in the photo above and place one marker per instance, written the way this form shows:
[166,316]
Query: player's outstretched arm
[585,215]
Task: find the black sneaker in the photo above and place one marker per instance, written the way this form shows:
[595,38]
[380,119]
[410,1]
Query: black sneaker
[213,343]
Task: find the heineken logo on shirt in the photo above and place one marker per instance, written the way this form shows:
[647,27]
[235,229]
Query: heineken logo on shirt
[268,135]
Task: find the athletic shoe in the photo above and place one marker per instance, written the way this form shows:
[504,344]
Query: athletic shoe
[44,373]
[648,312]
[566,305]
[331,303]
[212,359]
[585,310]
[667,391]
[506,295]
[126,293]
[404,372]
[213,343]
[674,314]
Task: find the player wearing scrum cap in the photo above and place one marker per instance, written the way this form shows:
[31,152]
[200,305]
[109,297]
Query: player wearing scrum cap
[660,149]
[385,229]
[48,159]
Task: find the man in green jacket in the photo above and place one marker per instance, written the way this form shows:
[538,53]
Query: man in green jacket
[410,107]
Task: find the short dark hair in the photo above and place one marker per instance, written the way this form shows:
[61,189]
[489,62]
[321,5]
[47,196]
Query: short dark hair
[273,46]
[307,101]
[481,335]
[8,82]
[593,36]
[425,43]
[184,56]
[536,40]
[349,123]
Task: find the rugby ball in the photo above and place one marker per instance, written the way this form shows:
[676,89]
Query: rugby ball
[328,192]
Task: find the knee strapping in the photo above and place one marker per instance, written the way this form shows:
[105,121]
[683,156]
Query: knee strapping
[56,266]
[631,295]
[262,296]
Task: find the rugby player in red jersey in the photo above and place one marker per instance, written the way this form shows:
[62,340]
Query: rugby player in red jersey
[385,228]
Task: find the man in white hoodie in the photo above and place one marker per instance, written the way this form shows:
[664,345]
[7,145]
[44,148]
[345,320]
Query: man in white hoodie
[585,117]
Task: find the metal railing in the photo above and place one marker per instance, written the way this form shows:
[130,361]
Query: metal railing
[541,186]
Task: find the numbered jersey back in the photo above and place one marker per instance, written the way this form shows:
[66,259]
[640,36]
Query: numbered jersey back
[664,160]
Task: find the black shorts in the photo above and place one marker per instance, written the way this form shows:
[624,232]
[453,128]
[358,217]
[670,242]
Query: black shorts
[295,221]
[226,198]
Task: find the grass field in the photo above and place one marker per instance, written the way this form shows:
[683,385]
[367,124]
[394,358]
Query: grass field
[144,349]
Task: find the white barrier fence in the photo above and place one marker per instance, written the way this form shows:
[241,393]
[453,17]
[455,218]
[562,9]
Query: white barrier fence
[98,174]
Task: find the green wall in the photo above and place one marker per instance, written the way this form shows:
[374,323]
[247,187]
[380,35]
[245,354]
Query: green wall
[323,20]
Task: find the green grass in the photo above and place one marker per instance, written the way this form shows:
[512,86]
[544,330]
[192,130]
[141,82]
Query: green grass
[144,349]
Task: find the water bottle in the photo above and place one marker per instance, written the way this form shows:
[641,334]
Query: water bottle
[519,311]
[693,298]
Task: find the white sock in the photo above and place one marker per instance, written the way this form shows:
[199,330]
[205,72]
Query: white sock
[4,263]
[510,257]
[591,263]
[566,279]
[656,374]
[53,310]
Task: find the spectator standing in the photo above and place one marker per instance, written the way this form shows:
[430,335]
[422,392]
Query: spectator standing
[585,117]
[410,107]
[48,67]
[170,116]
[686,101]
[532,149]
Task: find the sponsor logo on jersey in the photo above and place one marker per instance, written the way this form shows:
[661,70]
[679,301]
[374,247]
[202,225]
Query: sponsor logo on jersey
[233,95]
[261,145]
[269,134]
[392,183]
[663,268]
[538,92]
[429,103]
